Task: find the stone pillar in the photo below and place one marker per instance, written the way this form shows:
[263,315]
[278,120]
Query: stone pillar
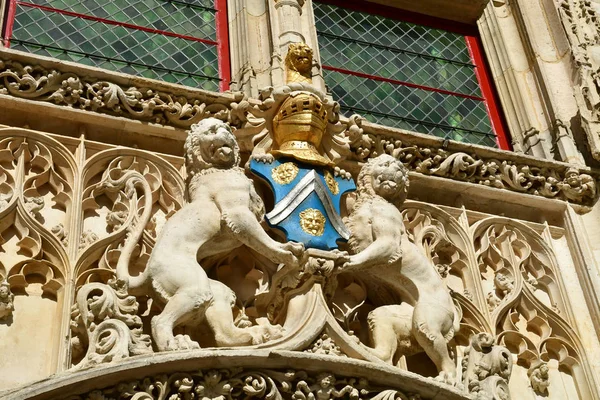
[549,51]
[515,81]
[528,56]
[260,33]
[582,27]
[250,45]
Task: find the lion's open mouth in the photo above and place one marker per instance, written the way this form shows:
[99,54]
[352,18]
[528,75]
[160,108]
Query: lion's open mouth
[388,184]
[222,152]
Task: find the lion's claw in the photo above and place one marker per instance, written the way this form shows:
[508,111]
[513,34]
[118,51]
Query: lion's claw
[264,158]
[446,377]
[182,342]
[264,331]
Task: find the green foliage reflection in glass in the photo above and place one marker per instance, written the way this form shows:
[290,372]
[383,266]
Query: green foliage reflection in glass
[399,52]
[148,54]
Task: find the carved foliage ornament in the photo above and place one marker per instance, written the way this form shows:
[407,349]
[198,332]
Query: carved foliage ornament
[565,183]
[146,104]
[228,384]
[348,139]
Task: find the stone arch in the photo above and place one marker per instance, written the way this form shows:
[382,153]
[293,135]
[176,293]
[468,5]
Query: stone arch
[536,327]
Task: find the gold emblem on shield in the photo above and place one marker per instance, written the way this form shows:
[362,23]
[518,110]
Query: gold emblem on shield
[331,183]
[312,221]
[285,173]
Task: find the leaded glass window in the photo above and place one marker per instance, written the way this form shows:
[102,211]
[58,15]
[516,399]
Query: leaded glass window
[171,40]
[405,74]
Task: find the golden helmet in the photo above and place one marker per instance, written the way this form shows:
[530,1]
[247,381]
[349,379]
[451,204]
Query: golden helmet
[298,128]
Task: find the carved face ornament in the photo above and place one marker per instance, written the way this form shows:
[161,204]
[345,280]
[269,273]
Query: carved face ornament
[572,177]
[301,57]
[312,221]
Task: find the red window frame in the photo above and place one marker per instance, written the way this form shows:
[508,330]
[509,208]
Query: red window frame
[474,46]
[222,26]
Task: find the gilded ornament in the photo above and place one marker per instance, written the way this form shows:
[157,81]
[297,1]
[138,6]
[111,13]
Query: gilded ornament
[298,63]
[312,221]
[331,183]
[298,128]
[285,173]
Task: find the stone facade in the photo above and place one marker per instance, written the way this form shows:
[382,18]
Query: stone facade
[136,261]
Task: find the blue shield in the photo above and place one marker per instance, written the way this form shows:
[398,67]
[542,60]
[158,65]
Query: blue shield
[307,202]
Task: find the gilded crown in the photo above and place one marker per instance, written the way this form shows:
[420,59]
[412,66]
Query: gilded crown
[298,128]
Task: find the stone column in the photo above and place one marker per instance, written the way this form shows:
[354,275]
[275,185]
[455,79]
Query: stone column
[515,81]
[549,51]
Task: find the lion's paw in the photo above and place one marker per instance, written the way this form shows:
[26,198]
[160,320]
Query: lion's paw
[264,158]
[182,342]
[265,331]
[295,248]
[446,377]
[289,253]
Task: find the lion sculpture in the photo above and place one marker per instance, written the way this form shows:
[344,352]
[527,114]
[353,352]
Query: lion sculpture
[298,63]
[223,213]
[426,319]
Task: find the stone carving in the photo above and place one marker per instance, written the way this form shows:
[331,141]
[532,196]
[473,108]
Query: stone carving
[225,384]
[539,378]
[87,238]
[34,205]
[104,318]
[471,258]
[115,219]
[298,63]
[318,266]
[86,93]
[581,22]
[503,284]
[6,301]
[566,183]
[224,213]
[427,319]
[59,231]
[4,200]
[325,345]
[486,368]
[351,138]
[494,246]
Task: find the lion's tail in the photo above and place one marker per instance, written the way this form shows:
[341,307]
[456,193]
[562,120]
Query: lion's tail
[458,314]
[129,181]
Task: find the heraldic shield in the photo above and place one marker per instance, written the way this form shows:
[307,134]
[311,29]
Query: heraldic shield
[307,202]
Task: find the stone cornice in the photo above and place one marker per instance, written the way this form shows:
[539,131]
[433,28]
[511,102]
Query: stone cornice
[100,92]
[433,156]
[280,370]
[86,88]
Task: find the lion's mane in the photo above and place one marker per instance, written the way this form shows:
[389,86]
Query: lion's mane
[364,182]
[196,146]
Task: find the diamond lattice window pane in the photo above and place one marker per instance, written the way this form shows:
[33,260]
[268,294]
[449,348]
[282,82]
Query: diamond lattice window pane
[162,15]
[432,112]
[118,66]
[406,67]
[447,100]
[142,50]
[389,32]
